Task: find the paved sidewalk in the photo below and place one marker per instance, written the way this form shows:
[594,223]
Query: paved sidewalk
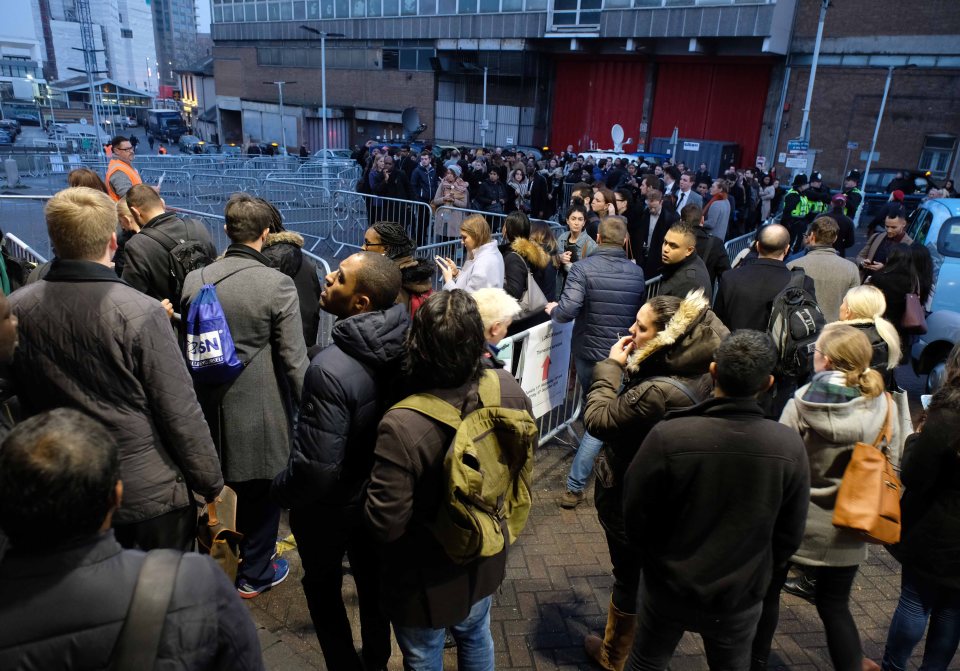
[557,589]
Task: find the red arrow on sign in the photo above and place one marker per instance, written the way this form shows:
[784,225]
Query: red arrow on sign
[546,368]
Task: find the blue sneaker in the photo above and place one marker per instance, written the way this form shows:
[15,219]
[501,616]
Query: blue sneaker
[281,569]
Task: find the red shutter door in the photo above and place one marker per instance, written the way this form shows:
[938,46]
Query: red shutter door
[590,96]
[712,101]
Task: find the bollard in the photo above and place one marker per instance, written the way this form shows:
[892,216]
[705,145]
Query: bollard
[13,173]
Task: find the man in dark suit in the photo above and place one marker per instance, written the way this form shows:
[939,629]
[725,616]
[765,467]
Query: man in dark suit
[746,293]
[646,238]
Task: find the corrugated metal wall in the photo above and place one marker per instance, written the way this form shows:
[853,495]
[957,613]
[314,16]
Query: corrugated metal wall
[460,123]
[592,95]
[338,134]
[713,101]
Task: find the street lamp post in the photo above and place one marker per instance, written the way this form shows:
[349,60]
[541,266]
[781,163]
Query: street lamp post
[323,80]
[873,143]
[283,130]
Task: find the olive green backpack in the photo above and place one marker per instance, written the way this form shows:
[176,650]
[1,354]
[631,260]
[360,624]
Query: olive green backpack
[488,469]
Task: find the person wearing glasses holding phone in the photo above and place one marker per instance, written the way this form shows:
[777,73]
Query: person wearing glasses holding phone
[121,175]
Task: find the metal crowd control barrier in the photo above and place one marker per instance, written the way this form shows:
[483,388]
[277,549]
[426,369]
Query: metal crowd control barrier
[21,251]
[23,217]
[351,213]
[327,320]
[736,245]
[213,222]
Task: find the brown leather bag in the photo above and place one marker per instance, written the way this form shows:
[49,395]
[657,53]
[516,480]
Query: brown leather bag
[217,533]
[914,320]
[868,501]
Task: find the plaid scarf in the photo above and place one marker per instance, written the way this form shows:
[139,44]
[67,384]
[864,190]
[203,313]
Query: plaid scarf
[830,386]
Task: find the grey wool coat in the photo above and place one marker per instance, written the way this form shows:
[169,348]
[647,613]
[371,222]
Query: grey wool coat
[263,312]
[833,276]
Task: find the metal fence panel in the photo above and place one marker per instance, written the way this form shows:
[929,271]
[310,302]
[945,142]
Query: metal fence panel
[737,245]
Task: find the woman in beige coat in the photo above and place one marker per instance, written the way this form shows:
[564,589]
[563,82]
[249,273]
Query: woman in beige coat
[452,192]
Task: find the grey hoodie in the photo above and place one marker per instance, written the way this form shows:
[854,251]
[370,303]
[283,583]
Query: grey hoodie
[830,431]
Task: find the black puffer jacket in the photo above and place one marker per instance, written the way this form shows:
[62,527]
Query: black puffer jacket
[285,253]
[89,341]
[343,401]
[64,610]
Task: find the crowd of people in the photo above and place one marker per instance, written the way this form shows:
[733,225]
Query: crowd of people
[140,387]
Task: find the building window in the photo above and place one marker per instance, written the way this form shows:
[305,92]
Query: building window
[127,33]
[937,154]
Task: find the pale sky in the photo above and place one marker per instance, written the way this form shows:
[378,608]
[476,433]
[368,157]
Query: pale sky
[203,16]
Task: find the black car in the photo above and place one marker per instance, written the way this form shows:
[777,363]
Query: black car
[6,137]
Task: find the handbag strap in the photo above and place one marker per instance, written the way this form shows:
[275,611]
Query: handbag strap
[139,638]
[886,433]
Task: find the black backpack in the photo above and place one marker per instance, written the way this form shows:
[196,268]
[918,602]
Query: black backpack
[185,255]
[795,323]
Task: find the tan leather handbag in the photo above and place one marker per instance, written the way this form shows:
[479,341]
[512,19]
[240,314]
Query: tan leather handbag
[868,501]
[217,533]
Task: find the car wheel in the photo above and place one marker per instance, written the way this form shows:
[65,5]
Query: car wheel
[936,377]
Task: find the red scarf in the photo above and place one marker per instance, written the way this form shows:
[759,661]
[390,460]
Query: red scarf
[719,196]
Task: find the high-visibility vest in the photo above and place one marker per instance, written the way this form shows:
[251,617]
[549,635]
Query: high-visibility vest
[116,165]
[802,208]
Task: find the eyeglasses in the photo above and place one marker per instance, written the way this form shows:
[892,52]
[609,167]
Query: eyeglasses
[130,148]
[367,243]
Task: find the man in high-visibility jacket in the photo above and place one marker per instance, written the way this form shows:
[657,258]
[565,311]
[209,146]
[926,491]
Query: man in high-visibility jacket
[121,175]
[796,207]
[851,189]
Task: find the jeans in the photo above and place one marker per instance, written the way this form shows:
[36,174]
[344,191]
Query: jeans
[921,601]
[258,519]
[586,455]
[660,626]
[626,573]
[324,535]
[423,647]
[769,617]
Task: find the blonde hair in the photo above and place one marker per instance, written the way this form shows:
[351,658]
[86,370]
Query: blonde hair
[80,223]
[123,210]
[495,305]
[867,302]
[477,228]
[849,351]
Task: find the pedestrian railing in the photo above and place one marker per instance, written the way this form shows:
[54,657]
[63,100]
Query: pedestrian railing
[735,246]
[21,251]
[22,216]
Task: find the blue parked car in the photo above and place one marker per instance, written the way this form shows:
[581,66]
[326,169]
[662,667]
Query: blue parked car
[936,224]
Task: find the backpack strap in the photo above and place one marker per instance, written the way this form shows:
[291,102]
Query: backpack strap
[161,238]
[139,638]
[797,277]
[446,413]
[680,386]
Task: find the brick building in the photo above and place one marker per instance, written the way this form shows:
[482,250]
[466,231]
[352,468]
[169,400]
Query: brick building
[562,72]
[861,41]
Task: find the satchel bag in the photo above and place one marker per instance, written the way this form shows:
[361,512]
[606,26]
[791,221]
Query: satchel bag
[868,501]
[217,533]
[914,320]
[533,301]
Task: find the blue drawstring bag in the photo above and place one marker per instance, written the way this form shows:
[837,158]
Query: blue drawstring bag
[209,350]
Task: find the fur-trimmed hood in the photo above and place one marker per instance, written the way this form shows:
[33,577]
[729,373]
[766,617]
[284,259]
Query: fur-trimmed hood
[284,250]
[685,346]
[532,253]
[288,237]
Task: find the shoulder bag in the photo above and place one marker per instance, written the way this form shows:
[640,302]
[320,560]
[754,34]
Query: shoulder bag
[914,320]
[533,300]
[868,500]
